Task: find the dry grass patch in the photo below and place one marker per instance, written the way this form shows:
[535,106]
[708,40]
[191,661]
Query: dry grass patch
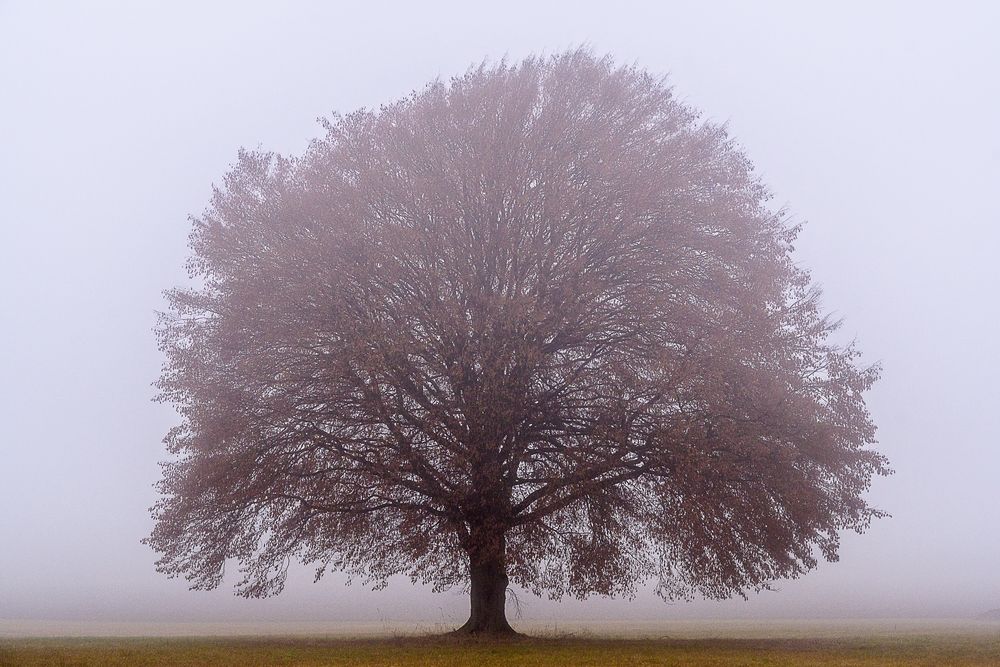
[434,652]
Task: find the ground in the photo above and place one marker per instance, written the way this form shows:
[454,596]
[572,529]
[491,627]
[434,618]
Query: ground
[729,645]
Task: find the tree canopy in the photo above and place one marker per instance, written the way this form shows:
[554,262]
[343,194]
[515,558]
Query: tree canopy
[535,325]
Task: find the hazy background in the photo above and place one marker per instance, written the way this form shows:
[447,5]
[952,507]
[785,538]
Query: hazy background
[875,122]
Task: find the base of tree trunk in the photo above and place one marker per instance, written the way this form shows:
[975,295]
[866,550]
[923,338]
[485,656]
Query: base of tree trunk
[497,629]
[488,597]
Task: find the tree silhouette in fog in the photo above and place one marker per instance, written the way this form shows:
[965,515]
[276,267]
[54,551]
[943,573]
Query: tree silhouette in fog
[536,325]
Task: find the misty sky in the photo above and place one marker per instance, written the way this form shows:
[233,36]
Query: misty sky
[876,123]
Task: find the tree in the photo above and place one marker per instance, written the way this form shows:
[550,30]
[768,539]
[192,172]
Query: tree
[537,325]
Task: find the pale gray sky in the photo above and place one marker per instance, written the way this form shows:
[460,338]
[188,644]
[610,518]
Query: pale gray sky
[877,123]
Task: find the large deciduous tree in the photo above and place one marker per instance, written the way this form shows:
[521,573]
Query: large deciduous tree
[536,325]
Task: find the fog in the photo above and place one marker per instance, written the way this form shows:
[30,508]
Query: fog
[874,123]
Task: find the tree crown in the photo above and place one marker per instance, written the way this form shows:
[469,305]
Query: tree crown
[540,309]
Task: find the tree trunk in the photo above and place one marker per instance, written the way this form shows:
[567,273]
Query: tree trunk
[488,574]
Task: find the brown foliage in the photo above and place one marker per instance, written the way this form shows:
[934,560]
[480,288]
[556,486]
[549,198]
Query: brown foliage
[538,319]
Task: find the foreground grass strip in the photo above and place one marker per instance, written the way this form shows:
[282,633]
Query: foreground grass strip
[213,652]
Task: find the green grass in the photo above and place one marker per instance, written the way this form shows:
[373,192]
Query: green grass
[947,649]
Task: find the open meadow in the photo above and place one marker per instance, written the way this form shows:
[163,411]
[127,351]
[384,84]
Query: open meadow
[839,643]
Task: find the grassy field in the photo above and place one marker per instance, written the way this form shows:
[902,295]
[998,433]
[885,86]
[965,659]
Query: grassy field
[908,649]
[749,642]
